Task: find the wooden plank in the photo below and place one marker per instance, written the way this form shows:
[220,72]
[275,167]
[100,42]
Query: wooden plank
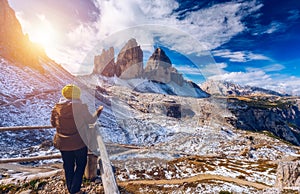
[30,177]
[29,159]
[20,128]
[108,178]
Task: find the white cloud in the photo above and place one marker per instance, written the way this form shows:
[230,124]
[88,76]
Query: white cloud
[189,70]
[239,56]
[253,78]
[198,31]
[268,68]
[290,85]
[274,26]
[213,69]
[294,15]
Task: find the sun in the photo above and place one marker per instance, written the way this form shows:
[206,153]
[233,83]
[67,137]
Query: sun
[43,35]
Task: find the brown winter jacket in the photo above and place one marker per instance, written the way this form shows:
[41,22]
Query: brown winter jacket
[71,119]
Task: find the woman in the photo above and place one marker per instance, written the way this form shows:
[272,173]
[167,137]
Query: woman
[71,118]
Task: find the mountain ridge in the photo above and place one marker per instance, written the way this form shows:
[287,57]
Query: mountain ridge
[226,88]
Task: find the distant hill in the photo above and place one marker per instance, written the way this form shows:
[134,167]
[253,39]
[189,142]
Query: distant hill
[224,88]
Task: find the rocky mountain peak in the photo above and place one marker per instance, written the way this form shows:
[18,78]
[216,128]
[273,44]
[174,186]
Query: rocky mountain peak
[130,60]
[10,27]
[130,44]
[159,68]
[158,59]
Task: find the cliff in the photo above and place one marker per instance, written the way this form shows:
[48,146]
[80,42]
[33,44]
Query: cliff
[280,116]
[130,61]
[14,45]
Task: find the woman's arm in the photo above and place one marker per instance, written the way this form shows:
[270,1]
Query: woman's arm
[90,119]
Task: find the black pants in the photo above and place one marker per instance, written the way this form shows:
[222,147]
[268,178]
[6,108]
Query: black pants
[74,165]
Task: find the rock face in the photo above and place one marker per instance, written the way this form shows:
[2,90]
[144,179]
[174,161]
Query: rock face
[14,45]
[168,108]
[288,174]
[158,59]
[130,61]
[159,68]
[104,64]
[280,117]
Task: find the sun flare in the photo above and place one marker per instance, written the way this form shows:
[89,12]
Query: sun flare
[44,35]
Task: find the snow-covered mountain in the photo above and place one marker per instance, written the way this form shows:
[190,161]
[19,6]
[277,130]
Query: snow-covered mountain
[224,88]
[30,85]
[26,95]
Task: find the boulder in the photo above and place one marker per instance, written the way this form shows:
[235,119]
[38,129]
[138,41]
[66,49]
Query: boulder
[168,108]
[288,174]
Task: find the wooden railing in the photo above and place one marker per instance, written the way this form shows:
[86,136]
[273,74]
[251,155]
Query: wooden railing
[21,128]
[91,166]
[27,159]
[109,181]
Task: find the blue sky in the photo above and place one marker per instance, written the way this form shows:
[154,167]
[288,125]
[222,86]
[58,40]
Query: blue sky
[253,42]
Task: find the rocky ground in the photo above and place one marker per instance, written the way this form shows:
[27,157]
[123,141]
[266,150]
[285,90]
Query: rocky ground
[165,144]
[157,169]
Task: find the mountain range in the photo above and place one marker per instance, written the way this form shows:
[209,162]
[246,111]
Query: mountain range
[237,136]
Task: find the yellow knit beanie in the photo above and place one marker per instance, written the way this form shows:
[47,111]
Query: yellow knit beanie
[71,91]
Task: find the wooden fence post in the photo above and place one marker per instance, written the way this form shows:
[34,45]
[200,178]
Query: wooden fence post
[91,166]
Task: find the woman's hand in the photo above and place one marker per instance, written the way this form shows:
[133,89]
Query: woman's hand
[99,110]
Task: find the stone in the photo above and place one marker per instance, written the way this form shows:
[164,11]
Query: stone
[288,174]
[168,108]
[26,192]
[158,59]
